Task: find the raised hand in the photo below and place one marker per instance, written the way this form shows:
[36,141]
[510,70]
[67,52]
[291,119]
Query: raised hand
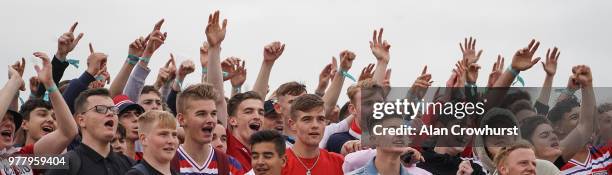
[472,73]
[346,60]
[326,75]
[215,33]
[582,76]
[239,74]
[523,58]
[138,46]
[155,39]
[550,66]
[460,70]
[19,67]
[96,61]
[465,168]
[498,67]
[469,50]
[44,73]
[101,77]
[380,47]
[204,54]
[420,85]
[367,72]
[273,50]
[185,69]
[67,42]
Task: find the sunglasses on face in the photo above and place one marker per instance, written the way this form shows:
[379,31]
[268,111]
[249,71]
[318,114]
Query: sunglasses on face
[101,109]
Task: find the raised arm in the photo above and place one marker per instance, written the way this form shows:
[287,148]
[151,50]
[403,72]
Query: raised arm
[271,53]
[10,89]
[331,95]
[215,33]
[56,141]
[380,49]
[136,49]
[137,79]
[95,64]
[238,75]
[550,67]
[65,44]
[581,135]
[522,60]
[498,68]
[420,85]
[325,76]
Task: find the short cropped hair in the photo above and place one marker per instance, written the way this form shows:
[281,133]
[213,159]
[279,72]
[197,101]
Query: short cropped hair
[363,84]
[291,88]
[32,104]
[500,158]
[520,105]
[529,125]
[80,103]
[556,113]
[148,89]
[162,119]
[195,92]
[305,103]
[269,136]
[235,101]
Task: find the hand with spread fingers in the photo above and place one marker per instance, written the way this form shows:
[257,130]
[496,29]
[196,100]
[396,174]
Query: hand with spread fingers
[215,33]
[523,58]
[367,72]
[550,65]
[472,73]
[380,47]
[468,48]
[67,42]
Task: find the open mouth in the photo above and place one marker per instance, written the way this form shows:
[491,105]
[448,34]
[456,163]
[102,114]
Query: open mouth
[207,129]
[398,142]
[279,128]
[170,149]
[6,133]
[48,129]
[255,126]
[109,123]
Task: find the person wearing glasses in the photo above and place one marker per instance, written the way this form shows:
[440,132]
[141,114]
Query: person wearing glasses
[96,116]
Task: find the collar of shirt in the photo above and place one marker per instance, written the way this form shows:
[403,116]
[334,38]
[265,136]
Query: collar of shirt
[370,168]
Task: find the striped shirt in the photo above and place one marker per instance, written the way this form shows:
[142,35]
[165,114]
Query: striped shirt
[598,162]
[189,167]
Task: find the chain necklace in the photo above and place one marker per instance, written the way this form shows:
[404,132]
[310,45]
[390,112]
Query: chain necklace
[304,165]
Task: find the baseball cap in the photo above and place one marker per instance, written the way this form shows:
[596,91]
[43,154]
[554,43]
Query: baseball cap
[124,104]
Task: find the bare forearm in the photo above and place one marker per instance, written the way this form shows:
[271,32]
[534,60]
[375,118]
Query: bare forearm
[331,95]
[65,122]
[215,77]
[546,88]
[505,80]
[379,72]
[8,92]
[118,84]
[263,77]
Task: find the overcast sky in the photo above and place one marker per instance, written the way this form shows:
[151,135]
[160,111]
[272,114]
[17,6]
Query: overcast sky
[420,32]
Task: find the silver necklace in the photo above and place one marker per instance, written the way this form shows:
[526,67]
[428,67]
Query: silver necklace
[304,165]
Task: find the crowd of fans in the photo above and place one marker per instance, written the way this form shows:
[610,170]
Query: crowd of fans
[127,127]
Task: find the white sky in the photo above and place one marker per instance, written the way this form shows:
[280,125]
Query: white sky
[420,32]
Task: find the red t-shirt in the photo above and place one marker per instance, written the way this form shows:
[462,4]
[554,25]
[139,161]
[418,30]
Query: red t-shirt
[238,151]
[329,163]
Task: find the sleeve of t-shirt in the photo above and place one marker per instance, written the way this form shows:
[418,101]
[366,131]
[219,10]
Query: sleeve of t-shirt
[335,143]
[342,126]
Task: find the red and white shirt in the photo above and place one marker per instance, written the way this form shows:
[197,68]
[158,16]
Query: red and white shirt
[189,166]
[598,162]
